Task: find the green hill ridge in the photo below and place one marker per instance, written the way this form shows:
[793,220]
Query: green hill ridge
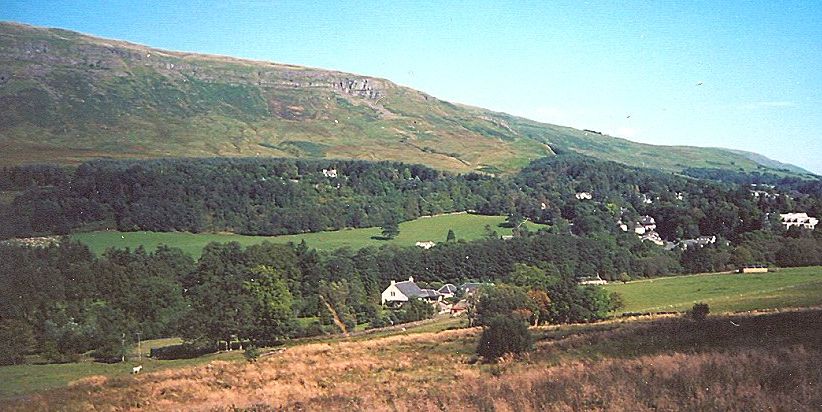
[69,97]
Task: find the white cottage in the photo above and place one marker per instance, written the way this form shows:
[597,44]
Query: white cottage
[399,292]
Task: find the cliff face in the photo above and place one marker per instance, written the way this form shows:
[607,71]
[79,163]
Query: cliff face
[68,97]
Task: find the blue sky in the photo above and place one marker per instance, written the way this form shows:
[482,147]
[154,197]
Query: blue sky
[737,74]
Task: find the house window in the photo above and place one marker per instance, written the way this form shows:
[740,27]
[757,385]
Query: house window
[393,294]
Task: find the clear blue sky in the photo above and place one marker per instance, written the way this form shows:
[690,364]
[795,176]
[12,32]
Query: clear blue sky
[582,64]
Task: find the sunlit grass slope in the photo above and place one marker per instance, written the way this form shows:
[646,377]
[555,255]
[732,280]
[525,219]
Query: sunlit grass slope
[465,226]
[723,292]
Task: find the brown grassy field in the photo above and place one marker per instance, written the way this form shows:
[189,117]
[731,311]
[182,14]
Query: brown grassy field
[737,362]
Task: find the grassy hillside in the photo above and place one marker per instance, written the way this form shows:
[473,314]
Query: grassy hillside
[793,287]
[766,362]
[465,226]
[797,287]
[69,97]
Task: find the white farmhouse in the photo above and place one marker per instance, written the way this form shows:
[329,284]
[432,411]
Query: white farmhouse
[399,292]
[595,280]
[330,172]
[801,220]
[425,245]
[584,196]
[648,222]
[653,237]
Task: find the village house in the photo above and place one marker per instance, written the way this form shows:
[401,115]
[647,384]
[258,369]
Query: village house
[399,292]
[622,226]
[801,220]
[647,222]
[447,290]
[592,280]
[459,308]
[584,196]
[425,245]
[700,242]
[330,172]
[653,237]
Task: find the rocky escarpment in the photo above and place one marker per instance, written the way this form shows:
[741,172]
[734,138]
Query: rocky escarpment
[29,53]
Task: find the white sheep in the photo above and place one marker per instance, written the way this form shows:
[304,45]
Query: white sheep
[135,370]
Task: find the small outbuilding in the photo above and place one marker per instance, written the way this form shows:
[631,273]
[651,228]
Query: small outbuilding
[753,269]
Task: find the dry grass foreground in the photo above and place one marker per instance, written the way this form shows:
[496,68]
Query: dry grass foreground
[742,362]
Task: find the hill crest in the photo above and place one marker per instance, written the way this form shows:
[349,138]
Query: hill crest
[71,97]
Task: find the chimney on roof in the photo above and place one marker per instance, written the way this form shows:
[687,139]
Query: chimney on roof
[410,278]
[393,282]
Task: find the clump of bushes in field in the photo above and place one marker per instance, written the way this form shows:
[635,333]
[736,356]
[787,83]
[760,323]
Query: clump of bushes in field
[504,335]
[699,312]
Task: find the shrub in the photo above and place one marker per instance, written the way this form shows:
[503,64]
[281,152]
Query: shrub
[414,310]
[251,353]
[315,328]
[503,300]
[181,351]
[700,311]
[504,334]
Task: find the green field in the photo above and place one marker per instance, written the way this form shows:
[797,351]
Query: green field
[435,228]
[794,287]
[20,379]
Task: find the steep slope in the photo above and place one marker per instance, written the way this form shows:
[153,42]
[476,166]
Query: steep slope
[68,97]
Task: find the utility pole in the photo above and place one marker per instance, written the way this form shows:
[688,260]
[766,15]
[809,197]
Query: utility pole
[139,350]
[123,340]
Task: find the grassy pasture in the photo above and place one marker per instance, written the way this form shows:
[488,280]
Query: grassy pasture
[435,228]
[21,379]
[723,292]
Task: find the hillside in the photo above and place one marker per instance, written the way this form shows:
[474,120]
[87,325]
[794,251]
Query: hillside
[731,363]
[69,97]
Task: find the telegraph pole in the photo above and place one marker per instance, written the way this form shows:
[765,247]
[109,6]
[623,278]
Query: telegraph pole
[139,350]
[123,340]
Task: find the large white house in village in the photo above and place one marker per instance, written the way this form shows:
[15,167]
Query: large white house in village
[801,220]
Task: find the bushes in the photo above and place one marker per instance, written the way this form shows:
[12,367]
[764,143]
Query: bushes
[505,301]
[699,311]
[251,353]
[182,351]
[414,310]
[504,334]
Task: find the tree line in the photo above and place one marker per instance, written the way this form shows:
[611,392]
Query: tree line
[283,196]
[60,300]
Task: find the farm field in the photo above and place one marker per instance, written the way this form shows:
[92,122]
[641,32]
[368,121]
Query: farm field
[21,379]
[724,292]
[747,361]
[465,226]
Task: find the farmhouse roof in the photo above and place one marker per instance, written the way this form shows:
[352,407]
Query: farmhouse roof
[410,289]
[447,288]
[429,293]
